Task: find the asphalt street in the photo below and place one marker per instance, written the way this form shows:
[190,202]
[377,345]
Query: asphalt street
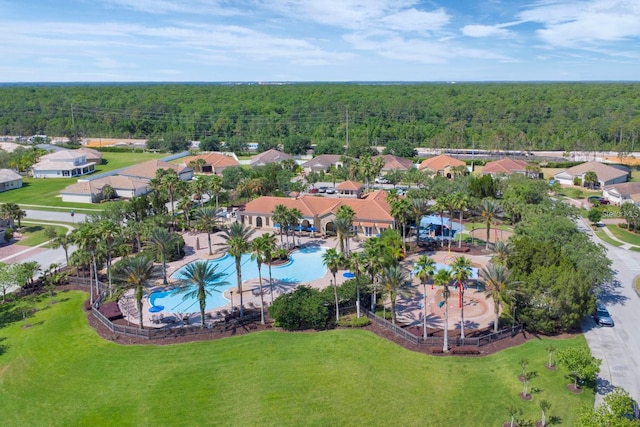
[618,346]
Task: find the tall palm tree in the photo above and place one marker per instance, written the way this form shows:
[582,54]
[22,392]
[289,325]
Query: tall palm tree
[357,264]
[343,226]
[460,203]
[426,267]
[162,242]
[214,187]
[198,280]
[501,251]
[394,283]
[236,242]
[13,211]
[489,210]
[333,260]
[279,216]
[461,271]
[440,207]
[497,282]
[64,241]
[294,216]
[400,211]
[442,278]
[135,272]
[108,233]
[259,247]
[270,242]
[207,219]
[345,215]
[87,239]
[169,179]
[419,208]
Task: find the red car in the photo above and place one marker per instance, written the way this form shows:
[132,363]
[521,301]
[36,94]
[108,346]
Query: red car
[314,191]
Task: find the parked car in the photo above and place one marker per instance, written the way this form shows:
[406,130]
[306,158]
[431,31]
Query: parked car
[322,189]
[598,200]
[381,180]
[331,190]
[602,316]
[314,191]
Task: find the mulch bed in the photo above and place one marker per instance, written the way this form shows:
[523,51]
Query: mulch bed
[382,332]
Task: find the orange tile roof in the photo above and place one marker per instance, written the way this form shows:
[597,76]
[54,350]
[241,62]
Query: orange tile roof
[392,162]
[372,208]
[440,162]
[214,159]
[148,169]
[349,185]
[505,166]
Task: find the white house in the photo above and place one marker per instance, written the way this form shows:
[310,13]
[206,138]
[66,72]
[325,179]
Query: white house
[620,193]
[9,180]
[607,175]
[63,164]
[91,191]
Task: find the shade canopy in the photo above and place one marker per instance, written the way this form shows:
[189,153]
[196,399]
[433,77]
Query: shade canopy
[348,275]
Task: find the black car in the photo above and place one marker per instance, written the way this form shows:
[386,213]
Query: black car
[602,316]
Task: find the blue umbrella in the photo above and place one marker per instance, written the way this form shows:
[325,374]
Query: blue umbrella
[299,228]
[276,225]
[312,229]
[348,275]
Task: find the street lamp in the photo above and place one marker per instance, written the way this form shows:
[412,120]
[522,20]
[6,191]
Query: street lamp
[72,215]
[231,293]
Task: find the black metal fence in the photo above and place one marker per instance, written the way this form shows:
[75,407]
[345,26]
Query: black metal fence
[454,341]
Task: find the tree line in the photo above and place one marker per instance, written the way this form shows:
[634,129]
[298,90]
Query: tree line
[520,116]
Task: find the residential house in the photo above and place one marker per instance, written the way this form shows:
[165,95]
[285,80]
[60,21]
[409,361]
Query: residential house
[323,163]
[506,166]
[607,175]
[269,156]
[350,189]
[92,155]
[91,191]
[9,180]
[395,163]
[621,193]
[147,170]
[213,162]
[63,164]
[372,212]
[441,165]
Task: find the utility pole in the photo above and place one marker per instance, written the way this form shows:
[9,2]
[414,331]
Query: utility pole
[347,120]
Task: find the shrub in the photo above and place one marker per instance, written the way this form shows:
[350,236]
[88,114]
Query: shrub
[385,314]
[352,321]
[302,309]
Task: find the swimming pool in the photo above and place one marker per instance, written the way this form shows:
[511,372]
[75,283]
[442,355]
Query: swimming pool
[305,265]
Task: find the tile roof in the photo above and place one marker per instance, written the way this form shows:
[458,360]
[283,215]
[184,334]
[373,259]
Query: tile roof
[605,172]
[505,166]
[373,207]
[392,162]
[269,156]
[440,162]
[349,185]
[48,165]
[116,181]
[64,155]
[82,187]
[148,169]
[213,159]
[323,160]
[625,189]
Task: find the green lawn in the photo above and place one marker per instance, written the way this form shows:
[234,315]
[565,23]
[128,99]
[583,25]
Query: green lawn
[624,235]
[605,238]
[34,233]
[46,191]
[58,372]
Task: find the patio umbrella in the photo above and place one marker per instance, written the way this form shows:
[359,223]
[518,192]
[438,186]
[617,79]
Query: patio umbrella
[312,229]
[348,275]
[276,225]
[299,228]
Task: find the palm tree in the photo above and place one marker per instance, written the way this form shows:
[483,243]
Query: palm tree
[294,216]
[236,242]
[590,179]
[108,232]
[343,226]
[333,260]
[460,203]
[461,271]
[345,216]
[394,282]
[400,211]
[134,272]
[162,241]
[86,238]
[440,207]
[270,242]
[63,240]
[419,208]
[13,211]
[501,251]
[279,216]
[199,279]
[356,261]
[489,210]
[497,282]
[442,278]
[259,247]
[426,268]
[214,186]
[207,219]
[169,180]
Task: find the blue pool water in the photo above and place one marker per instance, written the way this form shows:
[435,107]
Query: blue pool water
[304,265]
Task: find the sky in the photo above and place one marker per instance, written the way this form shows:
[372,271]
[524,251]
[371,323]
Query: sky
[318,40]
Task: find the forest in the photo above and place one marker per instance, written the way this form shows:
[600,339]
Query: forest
[495,116]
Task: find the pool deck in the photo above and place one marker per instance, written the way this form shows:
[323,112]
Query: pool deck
[478,311]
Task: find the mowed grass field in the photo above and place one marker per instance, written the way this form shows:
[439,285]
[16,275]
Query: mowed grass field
[46,192]
[58,372]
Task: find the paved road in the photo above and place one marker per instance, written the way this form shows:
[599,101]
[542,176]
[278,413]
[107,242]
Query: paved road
[618,347]
[55,216]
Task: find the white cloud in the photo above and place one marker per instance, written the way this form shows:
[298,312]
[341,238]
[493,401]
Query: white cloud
[574,23]
[194,7]
[485,31]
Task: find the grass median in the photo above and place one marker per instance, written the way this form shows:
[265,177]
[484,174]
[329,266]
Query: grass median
[58,372]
